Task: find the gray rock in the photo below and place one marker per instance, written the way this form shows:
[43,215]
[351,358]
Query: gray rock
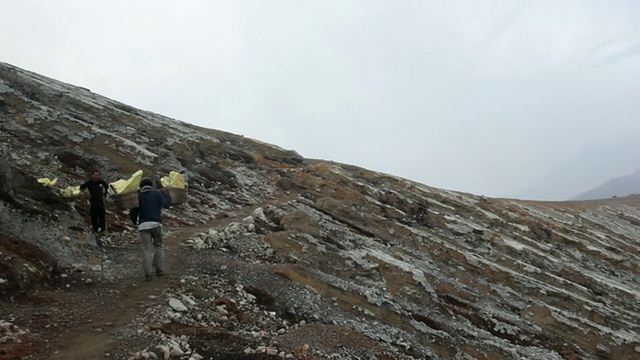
[177,305]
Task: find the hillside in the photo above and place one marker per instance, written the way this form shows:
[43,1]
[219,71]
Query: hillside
[620,186]
[277,256]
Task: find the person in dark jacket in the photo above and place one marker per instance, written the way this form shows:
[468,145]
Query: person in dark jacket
[148,217]
[97,191]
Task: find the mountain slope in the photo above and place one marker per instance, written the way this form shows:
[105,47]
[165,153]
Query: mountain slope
[277,255]
[621,186]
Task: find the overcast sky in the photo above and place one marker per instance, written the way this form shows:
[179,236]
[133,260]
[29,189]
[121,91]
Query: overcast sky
[482,96]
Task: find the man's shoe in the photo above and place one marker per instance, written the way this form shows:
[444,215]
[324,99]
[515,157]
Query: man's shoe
[159,272]
[147,278]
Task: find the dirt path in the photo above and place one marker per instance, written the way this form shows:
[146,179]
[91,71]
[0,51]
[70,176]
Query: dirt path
[84,341]
[86,320]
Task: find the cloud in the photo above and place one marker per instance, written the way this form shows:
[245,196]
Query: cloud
[619,56]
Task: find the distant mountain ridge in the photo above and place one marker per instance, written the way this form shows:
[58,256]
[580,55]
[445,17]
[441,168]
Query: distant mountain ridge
[620,186]
[594,165]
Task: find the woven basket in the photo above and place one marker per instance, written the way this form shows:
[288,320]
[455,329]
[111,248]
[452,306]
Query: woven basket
[126,201]
[178,196]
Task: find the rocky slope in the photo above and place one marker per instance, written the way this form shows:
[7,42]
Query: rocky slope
[277,256]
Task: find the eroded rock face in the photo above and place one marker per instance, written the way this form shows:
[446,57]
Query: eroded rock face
[371,264]
[23,264]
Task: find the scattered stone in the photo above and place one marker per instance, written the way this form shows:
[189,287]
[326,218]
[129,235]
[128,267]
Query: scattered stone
[177,305]
[188,300]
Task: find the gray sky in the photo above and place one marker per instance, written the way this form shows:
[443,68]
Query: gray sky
[483,96]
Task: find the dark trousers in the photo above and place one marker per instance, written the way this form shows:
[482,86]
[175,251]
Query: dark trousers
[98,215]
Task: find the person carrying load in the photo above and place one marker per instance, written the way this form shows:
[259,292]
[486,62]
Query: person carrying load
[148,217]
[98,192]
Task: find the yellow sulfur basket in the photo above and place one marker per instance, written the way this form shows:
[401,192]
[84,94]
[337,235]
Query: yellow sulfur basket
[178,196]
[126,201]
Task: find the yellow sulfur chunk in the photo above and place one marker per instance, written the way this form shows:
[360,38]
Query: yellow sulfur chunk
[174,180]
[70,191]
[165,181]
[177,180]
[47,182]
[126,186]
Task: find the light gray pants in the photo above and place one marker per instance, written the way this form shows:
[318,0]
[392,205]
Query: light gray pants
[152,250]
